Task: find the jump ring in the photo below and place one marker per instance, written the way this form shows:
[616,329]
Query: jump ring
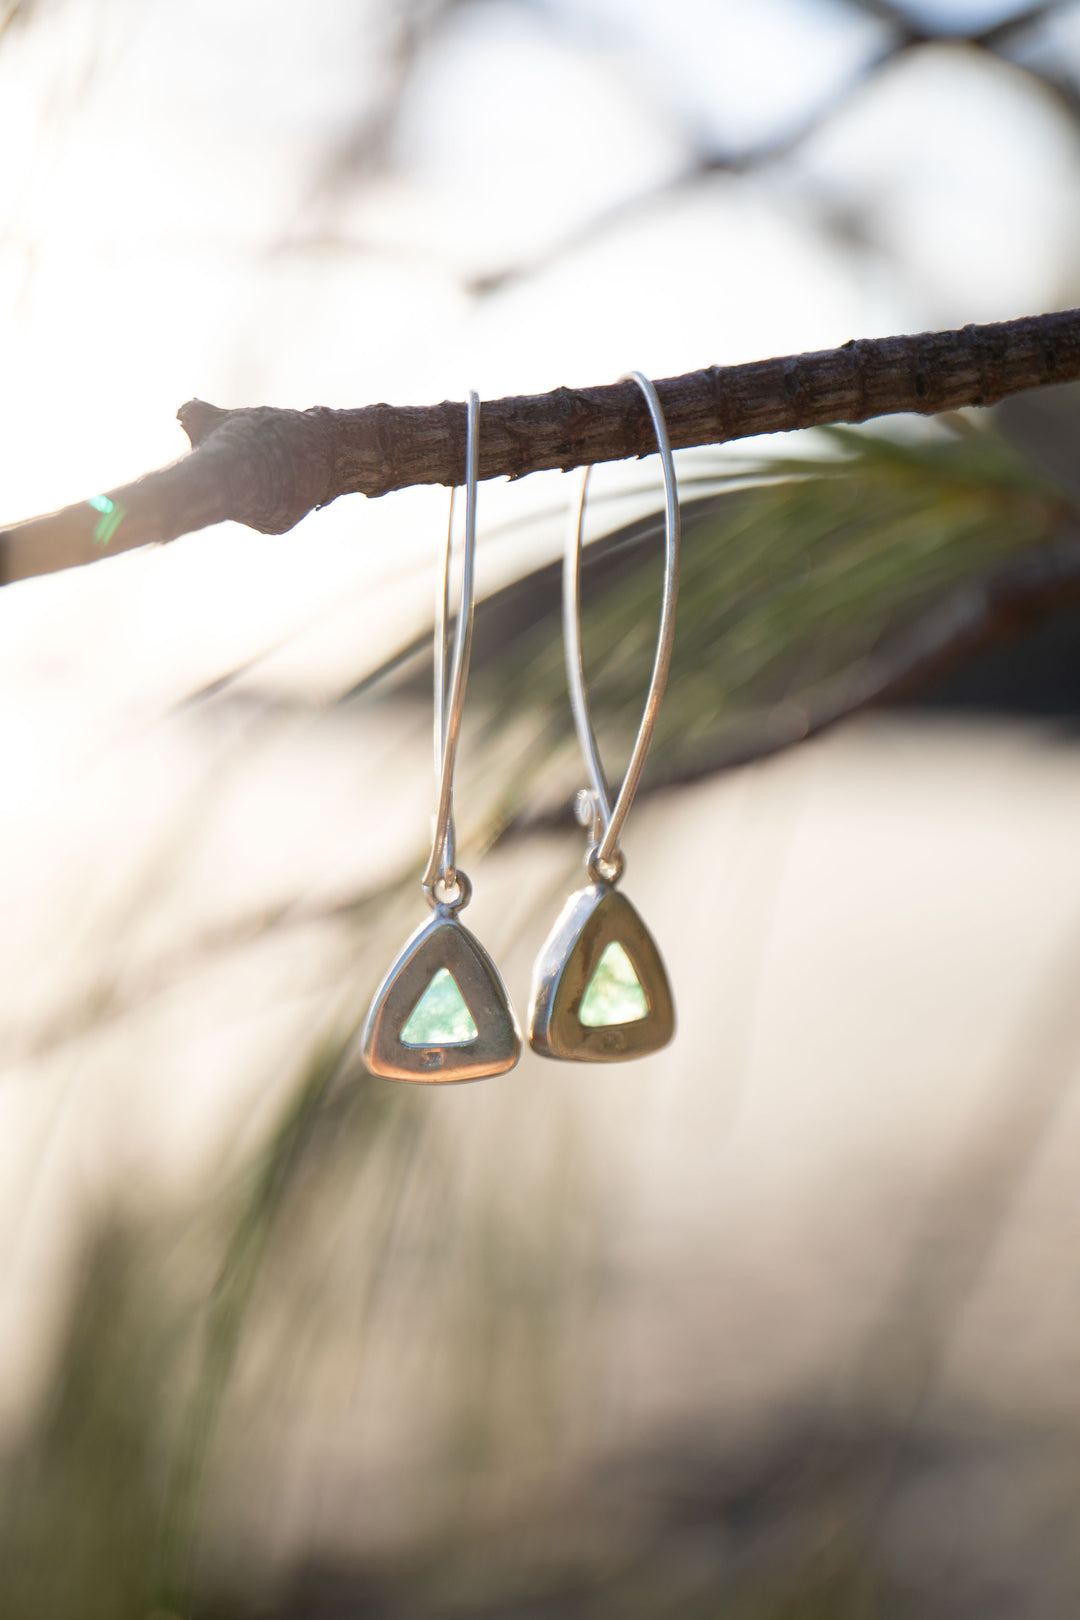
[604,871]
[440,896]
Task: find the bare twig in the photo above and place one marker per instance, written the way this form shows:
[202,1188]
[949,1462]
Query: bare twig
[366,147]
[268,468]
[706,159]
[703,164]
[991,37]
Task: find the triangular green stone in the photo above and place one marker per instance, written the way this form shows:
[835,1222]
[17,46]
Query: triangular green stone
[614,994]
[441,1017]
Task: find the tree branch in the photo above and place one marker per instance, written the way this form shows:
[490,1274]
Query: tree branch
[268,468]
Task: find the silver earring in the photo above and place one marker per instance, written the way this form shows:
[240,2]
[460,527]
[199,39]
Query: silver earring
[600,991]
[442,1012]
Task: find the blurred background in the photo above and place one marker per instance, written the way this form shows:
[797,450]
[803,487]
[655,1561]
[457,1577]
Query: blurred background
[781,1322]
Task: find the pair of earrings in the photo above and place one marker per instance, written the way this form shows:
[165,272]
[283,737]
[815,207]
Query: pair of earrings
[600,992]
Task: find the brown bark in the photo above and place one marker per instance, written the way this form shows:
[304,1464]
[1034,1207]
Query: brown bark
[268,468]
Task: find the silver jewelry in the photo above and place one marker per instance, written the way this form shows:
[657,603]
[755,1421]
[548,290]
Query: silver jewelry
[600,991]
[442,1012]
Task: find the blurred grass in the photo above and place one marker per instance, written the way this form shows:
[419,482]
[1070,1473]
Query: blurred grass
[81,1502]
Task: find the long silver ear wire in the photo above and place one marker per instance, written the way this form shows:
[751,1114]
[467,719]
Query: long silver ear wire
[449,706]
[600,991]
[611,820]
[442,1012]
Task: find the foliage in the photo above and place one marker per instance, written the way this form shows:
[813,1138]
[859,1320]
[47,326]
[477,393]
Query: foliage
[804,582]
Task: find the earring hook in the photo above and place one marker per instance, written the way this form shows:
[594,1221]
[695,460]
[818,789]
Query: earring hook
[608,820]
[441,872]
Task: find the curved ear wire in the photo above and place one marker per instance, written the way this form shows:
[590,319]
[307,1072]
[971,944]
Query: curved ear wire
[450,692]
[442,1013]
[612,818]
[600,991]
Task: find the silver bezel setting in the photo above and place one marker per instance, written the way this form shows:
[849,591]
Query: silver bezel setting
[441,942]
[592,919]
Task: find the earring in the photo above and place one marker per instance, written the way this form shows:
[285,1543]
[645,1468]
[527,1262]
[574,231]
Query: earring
[442,1012]
[600,992]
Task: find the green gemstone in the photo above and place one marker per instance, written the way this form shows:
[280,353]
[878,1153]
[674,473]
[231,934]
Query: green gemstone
[441,1016]
[614,995]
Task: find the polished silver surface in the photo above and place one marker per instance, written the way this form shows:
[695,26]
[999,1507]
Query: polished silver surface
[441,942]
[450,694]
[598,916]
[592,919]
[610,818]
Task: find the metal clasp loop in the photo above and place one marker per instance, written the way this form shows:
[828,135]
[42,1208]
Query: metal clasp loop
[608,819]
[449,896]
[590,816]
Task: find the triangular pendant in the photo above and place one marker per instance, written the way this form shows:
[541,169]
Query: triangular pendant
[600,991]
[442,1012]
